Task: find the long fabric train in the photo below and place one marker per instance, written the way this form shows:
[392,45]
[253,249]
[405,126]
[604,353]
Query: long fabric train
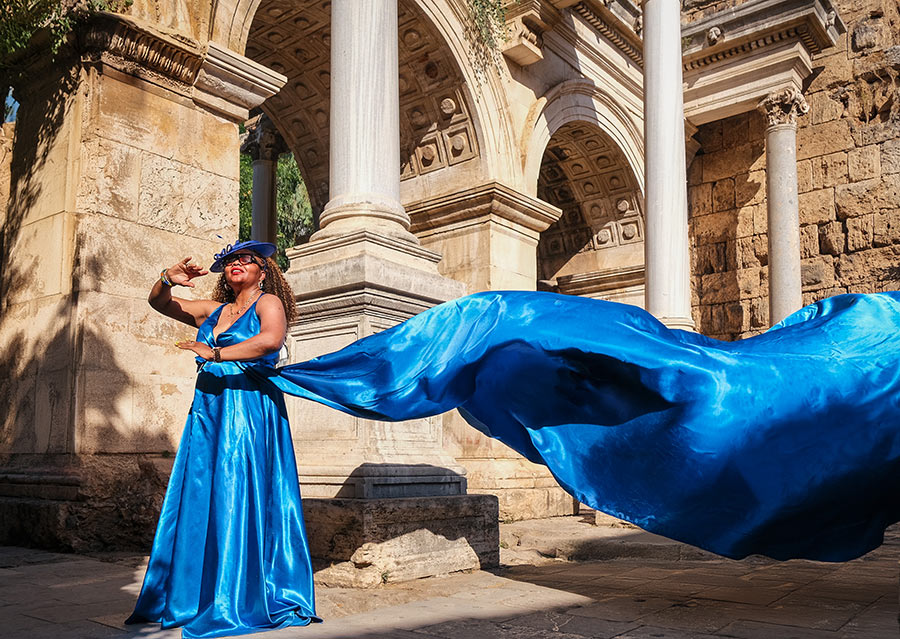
[785,444]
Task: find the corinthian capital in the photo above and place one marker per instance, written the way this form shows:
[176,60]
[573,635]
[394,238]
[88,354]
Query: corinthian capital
[783,107]
[263,141]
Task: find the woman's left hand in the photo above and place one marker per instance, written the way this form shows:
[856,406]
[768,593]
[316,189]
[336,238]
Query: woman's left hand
[201,349]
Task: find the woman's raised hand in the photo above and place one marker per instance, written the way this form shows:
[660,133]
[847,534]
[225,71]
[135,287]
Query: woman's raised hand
[183,272]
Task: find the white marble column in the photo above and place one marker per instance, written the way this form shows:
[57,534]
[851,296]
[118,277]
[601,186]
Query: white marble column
[365,122]
[264,144]
[785,285]
[666,247]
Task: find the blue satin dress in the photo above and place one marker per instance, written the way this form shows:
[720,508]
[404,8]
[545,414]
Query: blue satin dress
[785,444]
[230,554]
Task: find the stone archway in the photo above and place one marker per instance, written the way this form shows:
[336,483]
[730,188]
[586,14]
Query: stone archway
[597,246]
[437,127]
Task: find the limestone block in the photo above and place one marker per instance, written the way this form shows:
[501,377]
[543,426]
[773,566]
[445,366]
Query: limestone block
[860,232]
[710,136]
[17,432]
[804,176]
[868,196]
[104,411]
[746,252]
[831,238]
[111,179]
[368,542]
[160,408]
[864,163]
[129,266]
[829,170]
[719,287]
[715,227]
[809,241]
[727,162]
[746,220]
[750,188]
[817,207]
[710,258]
[695,171]
[522,504]
[735,131]
[723,195]
[855,270]
[759,313]
[824,107]
[824,139]
[700,199]
[156,122]
[183,199]
[817,273]
[887,228]
[53,409]
[890,157]
[44,259]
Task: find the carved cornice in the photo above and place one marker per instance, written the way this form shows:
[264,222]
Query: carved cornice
[613,29]
[758,24]
[784,107]
[604,281]
[212,76]
[128,46]
[490,199]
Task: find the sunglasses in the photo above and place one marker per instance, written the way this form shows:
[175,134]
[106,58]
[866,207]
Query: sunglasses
[242,258]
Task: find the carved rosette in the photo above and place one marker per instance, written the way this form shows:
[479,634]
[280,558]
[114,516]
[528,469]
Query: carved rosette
[784,107]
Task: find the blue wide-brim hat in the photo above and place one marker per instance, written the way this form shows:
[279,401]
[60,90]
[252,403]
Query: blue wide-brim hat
[265,249]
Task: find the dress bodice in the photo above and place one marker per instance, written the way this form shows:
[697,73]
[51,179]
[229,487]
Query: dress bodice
[244,327]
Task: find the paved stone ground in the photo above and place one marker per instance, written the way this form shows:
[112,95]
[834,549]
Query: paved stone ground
[678,594]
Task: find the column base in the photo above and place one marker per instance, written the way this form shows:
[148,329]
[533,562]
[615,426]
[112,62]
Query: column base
[679,323]
[362,543]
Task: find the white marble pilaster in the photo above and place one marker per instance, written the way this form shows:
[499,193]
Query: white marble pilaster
[666,244]
[785,284]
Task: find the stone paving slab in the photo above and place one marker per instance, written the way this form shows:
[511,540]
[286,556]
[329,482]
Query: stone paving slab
[45,595]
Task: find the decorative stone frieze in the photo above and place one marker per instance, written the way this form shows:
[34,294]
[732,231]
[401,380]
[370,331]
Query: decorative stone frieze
[784,107]
[525,22]
[624,35]
[733,59]
[214,77]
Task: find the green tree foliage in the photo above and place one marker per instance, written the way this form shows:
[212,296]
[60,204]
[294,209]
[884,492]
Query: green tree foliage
[293,211]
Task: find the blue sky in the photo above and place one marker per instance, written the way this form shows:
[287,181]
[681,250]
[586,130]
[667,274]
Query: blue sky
[15,106]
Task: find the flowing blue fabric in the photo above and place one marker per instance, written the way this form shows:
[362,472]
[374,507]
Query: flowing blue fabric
[230,554]
[785,444]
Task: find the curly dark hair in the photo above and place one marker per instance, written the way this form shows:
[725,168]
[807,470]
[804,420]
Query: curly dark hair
[273,283]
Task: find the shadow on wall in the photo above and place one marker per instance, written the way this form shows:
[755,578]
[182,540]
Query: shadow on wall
[50,496]
[726,215]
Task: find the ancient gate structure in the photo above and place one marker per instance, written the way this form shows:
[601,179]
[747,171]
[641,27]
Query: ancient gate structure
[431,176]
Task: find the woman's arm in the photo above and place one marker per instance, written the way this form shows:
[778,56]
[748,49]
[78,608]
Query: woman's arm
[190,312]
[272,330]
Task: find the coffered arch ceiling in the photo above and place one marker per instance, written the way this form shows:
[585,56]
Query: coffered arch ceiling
[437,131]
[584,173]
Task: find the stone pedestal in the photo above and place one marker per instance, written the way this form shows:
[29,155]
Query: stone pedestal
[368,542]
[488,235]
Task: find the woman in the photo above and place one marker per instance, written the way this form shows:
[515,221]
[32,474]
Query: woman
[230,553]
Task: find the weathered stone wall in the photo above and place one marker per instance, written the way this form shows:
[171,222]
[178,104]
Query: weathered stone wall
[7,133]
[849,182]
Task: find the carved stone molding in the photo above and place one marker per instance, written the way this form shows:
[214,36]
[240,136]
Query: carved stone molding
[784,107]
[526,22]
[136,49]
[600,283]
[529,214]
[232,84]
[613,28]
[736,57]
[214,77]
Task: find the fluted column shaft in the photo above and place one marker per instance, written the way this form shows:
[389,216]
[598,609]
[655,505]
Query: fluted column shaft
[785,284]
[666,246]
[365,121]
